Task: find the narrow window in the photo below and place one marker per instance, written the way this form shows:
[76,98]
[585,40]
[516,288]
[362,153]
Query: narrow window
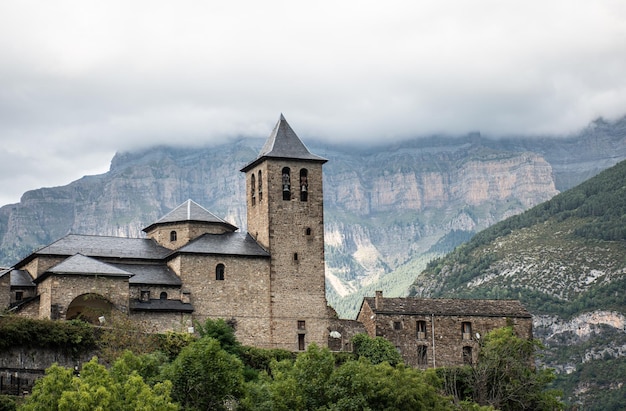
[286,184]
[253,189]
[397,325]
[304,185]
[163,296]
[421,330]
[145,295]
[173,236]
[466,329]
[219,272]
[300,342]
[295,256]
[467,355]
[422,355]
[260,187]
[19,295]
[308,231]
[301,325]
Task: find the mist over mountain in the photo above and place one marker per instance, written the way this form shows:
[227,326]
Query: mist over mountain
[384,205]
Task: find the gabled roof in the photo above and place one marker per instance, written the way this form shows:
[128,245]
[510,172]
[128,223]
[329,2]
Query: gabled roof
[81,265]
[21,278]
[225,244]
[284,143]
[190,211]
[101,246]
[453,307]
[150,274]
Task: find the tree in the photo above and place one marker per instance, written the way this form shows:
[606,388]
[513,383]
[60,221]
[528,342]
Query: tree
[505,376]
[221,331]
[204,376]
[97,389]
[377,350]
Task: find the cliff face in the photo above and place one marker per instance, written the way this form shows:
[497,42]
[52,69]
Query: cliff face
[384,206]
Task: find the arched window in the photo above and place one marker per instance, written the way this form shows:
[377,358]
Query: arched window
[219,272]
[304,185]
[253,189]
[308,231]
[173,236]
[260,187]
[286,183]
[163,296]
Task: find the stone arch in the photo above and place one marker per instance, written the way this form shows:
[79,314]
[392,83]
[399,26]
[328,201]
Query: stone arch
[89,307]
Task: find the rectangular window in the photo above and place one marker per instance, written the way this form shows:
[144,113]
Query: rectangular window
[466,329]
[397,325]
[301,325]
[421,330]
[301,342]
[145,295]
[422,355]
[19,295]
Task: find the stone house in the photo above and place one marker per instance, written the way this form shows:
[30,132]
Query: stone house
[431,333]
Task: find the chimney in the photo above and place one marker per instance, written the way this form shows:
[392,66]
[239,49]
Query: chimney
[378,304]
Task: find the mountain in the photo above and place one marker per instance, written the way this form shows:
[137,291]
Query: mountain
[389,208]
[565,259]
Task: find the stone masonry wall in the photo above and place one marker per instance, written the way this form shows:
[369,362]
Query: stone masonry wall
[446,346]
[243,295]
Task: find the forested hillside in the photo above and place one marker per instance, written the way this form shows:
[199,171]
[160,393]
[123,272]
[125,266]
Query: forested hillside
[565,259]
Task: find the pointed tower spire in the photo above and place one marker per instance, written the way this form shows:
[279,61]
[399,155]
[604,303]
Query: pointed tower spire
[284,143]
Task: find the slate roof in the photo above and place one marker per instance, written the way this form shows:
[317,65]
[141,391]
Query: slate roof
[161,305]
[82,265]
[152,274]
[441,306]
[190,211]
[284,143]
[101,246]
[225,244]
[21,278]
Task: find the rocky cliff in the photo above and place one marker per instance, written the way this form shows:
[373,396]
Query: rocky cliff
[385,206]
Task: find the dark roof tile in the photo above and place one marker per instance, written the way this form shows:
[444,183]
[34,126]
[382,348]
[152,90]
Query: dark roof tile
[284,143]
[161,305]
[101,246]
[225,244]
[190,211]
[441,306]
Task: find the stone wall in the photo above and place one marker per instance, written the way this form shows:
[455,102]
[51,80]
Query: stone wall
[243,295]
[63,289]
[444,338]
[29,364]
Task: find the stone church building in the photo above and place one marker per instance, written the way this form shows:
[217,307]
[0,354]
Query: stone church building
[192,265]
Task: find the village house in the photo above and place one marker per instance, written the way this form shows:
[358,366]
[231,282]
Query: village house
[431,333]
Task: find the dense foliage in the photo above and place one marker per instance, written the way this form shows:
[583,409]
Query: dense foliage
[205,375]
[74,336]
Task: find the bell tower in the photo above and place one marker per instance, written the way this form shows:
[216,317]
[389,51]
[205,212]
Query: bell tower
[285,214]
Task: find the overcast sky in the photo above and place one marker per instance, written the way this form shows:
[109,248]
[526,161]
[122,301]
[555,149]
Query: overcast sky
[80,80]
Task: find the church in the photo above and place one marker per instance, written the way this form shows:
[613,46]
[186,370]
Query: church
[268,283]
[192,265]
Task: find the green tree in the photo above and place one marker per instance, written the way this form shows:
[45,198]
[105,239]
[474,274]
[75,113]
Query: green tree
[377,350]
[204,376]
[505,375]
[221,331]
[97,389]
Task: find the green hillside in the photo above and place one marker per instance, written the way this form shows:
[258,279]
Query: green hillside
[565,259]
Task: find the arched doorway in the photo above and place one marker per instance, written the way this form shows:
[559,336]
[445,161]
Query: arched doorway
[92,308]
